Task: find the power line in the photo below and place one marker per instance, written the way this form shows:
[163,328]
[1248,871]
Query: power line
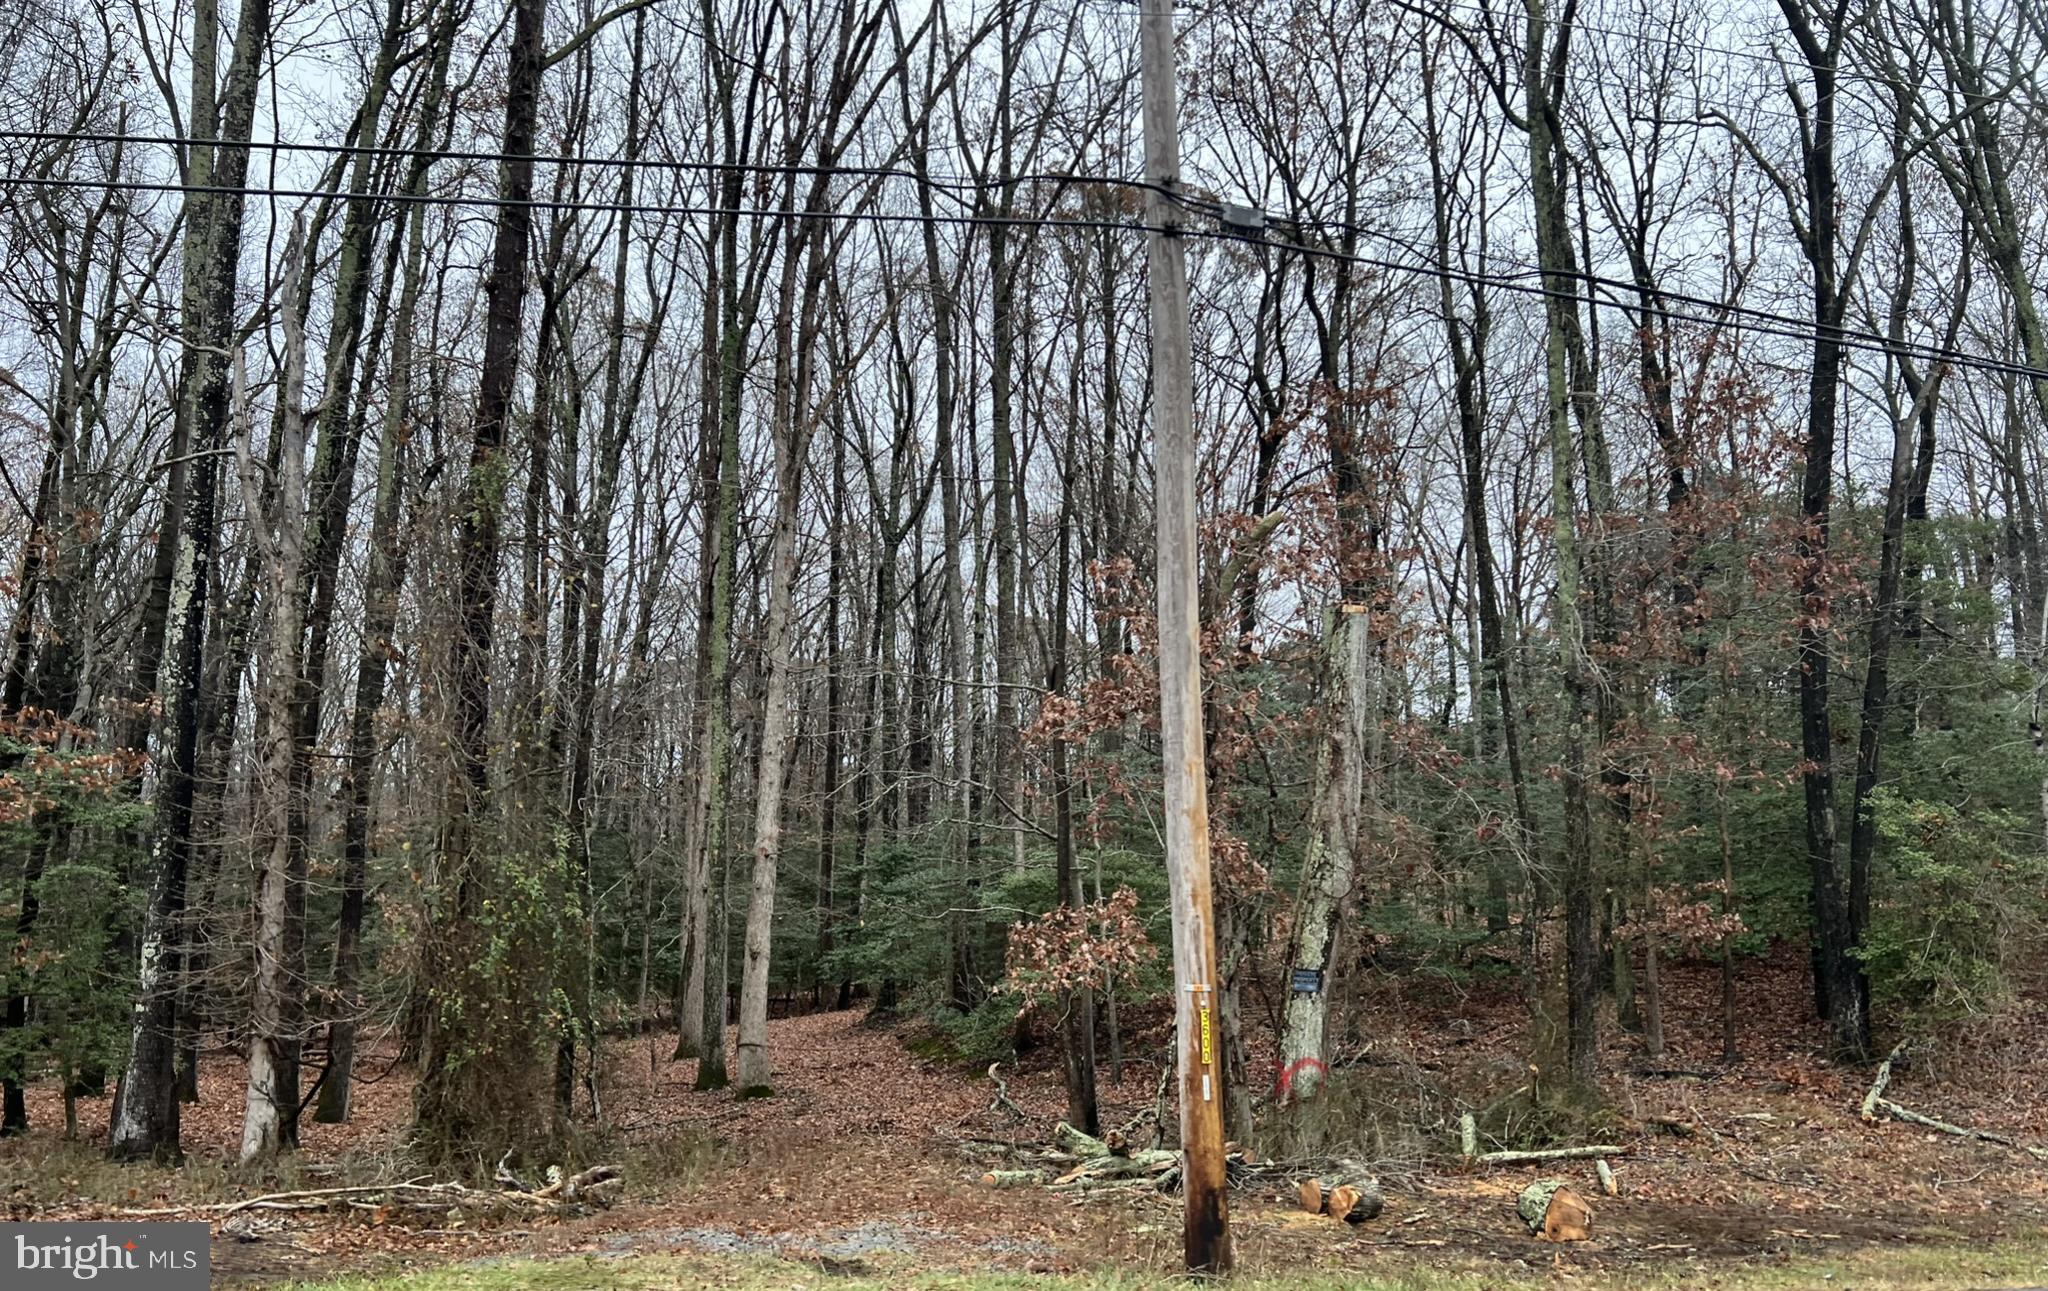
[556,204]
[1865,338]
[938,182]
[1764,323]
[1761,322]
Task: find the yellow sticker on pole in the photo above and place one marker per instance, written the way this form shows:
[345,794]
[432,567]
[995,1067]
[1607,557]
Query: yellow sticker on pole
[1208,1043]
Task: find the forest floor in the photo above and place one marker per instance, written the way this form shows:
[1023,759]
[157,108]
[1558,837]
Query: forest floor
[862,1169]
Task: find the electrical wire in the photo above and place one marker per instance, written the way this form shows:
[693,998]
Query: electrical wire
[1866,338]
[937,182]
[1763,323]
[556,204]
[1760,322]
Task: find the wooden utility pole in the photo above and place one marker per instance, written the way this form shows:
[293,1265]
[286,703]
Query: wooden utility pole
[1206,1223]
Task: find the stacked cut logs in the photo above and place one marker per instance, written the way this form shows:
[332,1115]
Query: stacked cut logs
[1085,1162]
[1079,1162]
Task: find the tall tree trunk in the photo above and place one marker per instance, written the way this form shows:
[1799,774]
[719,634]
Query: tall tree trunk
[385,579]
[835,721]
[954,595]
[145,1114]
[584,588]
[756,1071]
[1333,835]
[1543,74]
[1077,1011]
[696,905]
[451,1103]
[280,538]
[1840,987]
[717,753]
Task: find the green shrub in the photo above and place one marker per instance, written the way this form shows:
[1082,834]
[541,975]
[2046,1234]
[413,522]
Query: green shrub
[1954,899]
[983,1034]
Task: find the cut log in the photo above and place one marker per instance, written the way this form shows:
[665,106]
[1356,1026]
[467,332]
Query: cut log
[1569,1218]
[1553,1154]
[1339,1203]
[1608,1183]
[1353,1199]
[1554,1212]
[1096,1169]
[1083,1145]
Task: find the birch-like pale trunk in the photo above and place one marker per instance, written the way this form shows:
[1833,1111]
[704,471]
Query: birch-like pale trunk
[756,1070]
[1327,869]
[793,422]
[280,541]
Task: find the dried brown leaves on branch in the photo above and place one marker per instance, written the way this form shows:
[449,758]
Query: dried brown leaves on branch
[1072,947]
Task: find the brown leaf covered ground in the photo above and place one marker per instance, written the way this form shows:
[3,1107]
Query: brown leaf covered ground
[869,1151]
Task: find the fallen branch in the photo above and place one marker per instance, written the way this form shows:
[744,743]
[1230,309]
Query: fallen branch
[1080,1144]
[1002,1101]
[594,1185]
[1960,1131]
[310,1199]
[1147,1186]
[579,1184]
[1552,1154]
[1878,1086]
[504,1177]
[1151,1162]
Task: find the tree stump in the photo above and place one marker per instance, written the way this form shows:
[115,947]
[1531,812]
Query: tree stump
[1554,1212]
